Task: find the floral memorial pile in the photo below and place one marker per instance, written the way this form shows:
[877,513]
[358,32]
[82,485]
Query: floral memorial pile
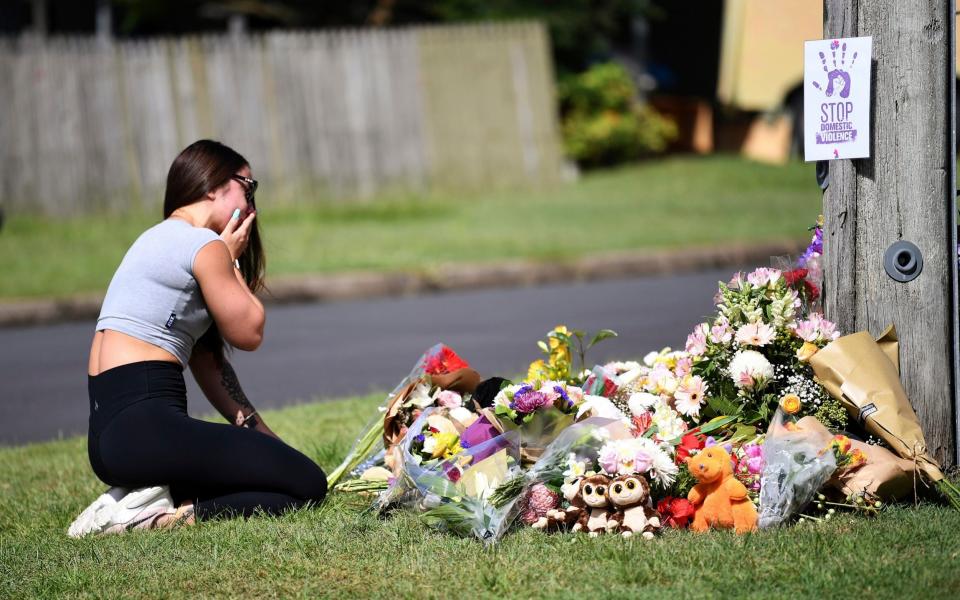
[768,415]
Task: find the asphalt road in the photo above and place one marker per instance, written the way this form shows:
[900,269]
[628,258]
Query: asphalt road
[322,351]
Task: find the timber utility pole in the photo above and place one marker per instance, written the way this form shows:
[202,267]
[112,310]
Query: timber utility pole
[904,193]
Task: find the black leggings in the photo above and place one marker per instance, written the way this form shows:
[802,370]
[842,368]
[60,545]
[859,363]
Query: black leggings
[140,435]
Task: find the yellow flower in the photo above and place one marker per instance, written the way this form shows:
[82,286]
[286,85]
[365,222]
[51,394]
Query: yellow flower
[790,404]
[445,444]
[843,443]
[857,457]
[806,351]
[554,342]
[537,371]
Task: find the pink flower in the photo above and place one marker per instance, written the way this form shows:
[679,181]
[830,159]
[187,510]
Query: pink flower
[696,343]
[526,400]
[689,396]
[764,277]
[755,334]
[641,463]
[538,501]
[449,399]
[609,459]
[745,379]
[828,329]
[721,333]
[683,368]
[807,331]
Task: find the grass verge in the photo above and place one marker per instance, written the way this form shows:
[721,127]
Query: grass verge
[341,550]
[664,204]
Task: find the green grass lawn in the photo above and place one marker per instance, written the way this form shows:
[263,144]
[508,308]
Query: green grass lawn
[669,203]
[341,550]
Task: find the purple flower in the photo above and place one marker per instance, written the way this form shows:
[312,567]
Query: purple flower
[755,464]
[563,393]
[528,401]
[815,248]
[420,438]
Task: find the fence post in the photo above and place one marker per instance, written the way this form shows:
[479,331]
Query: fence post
[904,191]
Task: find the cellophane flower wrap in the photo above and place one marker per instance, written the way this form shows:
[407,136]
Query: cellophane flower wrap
[796,464]
[403,404]
[450,486]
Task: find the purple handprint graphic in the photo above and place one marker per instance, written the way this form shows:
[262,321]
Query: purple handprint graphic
[838,78]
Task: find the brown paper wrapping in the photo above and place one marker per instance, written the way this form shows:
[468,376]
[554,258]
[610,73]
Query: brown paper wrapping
[862,374]
[884,475]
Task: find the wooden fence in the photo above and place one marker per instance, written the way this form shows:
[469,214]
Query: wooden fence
[88,126]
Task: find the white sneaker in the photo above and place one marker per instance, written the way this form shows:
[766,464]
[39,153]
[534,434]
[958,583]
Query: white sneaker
[137,509]
[84,524]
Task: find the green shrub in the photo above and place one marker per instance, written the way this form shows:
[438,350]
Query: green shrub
[604,124]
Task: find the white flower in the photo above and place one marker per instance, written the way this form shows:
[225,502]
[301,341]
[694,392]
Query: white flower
[464,416]
[618,367]
[638,455]
[668,422]
[598,406]
[640,402]
[650,358]
[750,370]
[664,469]
[448,399]
[419,397]
[484,485]
[575,468]
[503,396]
[429,444]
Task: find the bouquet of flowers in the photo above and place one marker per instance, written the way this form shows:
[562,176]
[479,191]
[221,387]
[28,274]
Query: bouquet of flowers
[448,482]
[438,378]
[796,466]
[752,355]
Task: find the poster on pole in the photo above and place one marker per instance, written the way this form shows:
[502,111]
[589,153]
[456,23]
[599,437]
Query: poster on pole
[836,98]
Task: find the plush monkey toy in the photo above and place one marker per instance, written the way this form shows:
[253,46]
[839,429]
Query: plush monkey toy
[558,518]
[594,493]
[630,498]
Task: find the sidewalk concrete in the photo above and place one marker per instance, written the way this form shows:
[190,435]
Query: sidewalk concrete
[356,285]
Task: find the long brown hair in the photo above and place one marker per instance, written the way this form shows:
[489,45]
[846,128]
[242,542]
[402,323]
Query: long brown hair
[202,167]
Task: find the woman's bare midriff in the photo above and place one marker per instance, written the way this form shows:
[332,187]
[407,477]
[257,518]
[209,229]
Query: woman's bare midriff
[114,349]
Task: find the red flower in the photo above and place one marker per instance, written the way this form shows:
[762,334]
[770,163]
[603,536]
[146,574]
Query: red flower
[795,276]
[452,472]
[641,424]
[609,388]
[675,512]
[688,443]
[812,292]
[443,362]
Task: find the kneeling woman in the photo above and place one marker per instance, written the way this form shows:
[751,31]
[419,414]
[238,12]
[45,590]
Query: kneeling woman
[184,288]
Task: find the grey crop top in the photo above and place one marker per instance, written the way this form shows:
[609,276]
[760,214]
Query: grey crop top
[153,296]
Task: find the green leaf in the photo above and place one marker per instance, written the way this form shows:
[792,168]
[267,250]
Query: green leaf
[723,406]
[603,334]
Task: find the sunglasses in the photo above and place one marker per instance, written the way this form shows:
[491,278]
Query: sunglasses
[249,189]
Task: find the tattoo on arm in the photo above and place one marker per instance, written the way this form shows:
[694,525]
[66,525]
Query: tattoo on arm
[230,383]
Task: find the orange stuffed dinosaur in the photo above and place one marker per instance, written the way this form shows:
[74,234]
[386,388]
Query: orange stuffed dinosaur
[720,500]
